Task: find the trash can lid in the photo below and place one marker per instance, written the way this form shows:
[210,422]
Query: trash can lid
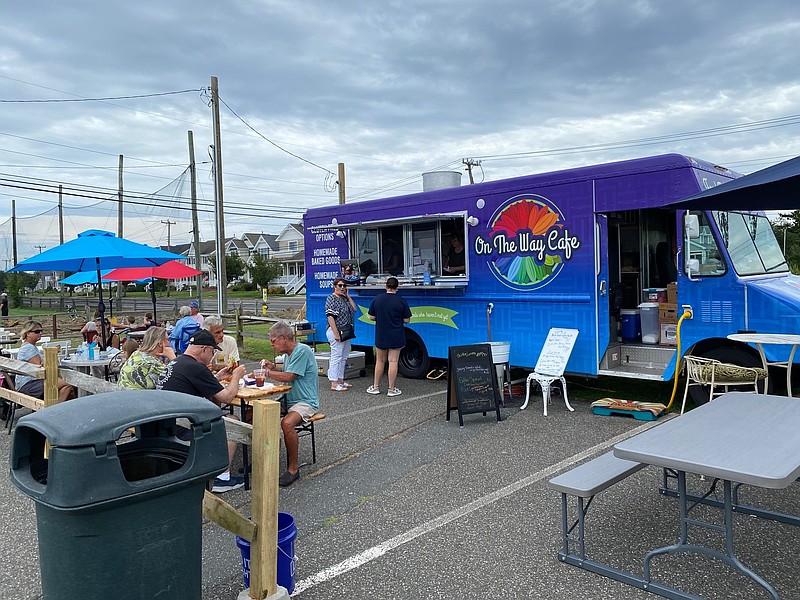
[103,418]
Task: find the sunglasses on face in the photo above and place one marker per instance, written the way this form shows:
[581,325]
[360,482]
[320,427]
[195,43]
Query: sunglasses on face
[341,285]
[36,331]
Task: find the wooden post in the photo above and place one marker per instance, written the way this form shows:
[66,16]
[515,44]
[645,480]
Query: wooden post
[264,498]
[50,376]
[239,326]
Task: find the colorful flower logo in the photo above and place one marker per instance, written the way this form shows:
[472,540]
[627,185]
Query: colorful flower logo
[522,232]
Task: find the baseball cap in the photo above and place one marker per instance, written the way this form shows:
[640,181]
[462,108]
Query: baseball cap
[194,304]
[204,338]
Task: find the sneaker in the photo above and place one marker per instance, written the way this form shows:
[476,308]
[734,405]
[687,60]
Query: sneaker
[394,392]
[226,485]
[373,390]
[288,478]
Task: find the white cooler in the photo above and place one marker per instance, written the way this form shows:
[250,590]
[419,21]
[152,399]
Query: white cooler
[356,361]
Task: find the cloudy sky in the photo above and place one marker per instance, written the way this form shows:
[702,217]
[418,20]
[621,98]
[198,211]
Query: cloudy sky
[391,89]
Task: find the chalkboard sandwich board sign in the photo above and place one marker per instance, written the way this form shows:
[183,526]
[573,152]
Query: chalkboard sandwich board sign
[472,381]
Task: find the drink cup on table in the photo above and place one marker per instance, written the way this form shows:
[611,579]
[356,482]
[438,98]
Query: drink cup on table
[260,377]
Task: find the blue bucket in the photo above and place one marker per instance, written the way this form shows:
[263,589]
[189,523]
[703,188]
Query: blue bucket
[287,532]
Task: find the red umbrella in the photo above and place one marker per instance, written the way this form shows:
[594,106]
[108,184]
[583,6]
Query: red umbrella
[169,270]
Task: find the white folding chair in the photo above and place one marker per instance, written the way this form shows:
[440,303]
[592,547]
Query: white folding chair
[551,364]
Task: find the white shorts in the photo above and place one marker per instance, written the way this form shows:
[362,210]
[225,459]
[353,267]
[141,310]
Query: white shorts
[303,409]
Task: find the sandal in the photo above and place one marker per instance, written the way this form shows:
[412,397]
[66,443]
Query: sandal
[340,388]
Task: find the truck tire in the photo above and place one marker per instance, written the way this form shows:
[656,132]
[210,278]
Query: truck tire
[726,354]
[414,361]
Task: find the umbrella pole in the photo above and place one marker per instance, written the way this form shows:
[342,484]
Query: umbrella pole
[101,308]
[153,298]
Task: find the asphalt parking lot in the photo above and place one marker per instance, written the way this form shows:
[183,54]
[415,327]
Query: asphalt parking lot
[403,503]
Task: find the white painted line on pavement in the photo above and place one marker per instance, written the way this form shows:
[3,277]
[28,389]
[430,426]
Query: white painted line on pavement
[379,550]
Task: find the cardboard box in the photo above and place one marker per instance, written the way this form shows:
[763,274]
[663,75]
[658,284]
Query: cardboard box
[667,313]
[356,362]
[669,335]
[672,293]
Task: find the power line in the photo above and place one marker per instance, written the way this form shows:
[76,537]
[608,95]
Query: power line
[100,99]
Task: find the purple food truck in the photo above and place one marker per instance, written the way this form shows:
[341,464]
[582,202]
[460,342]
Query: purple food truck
[595,248]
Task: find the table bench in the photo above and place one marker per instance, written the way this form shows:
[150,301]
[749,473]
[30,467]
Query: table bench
[584,482]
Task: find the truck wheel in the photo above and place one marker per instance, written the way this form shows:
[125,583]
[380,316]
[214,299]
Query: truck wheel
[726,354]
[414,360]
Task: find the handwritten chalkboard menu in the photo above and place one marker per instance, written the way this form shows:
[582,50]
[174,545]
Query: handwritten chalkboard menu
[472,381]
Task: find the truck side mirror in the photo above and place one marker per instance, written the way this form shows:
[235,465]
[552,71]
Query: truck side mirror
[692,267]
[691,224]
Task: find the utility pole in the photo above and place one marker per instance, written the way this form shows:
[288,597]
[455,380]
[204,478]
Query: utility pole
[60,241]
[469,164]
[222,279]
[169,225]
[41,277]
[195,221]
[341,184]
[14,230]
[120,196]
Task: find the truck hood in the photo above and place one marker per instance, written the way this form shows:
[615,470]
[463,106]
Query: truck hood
[784,289]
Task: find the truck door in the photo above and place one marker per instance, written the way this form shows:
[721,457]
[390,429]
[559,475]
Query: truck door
[604,319]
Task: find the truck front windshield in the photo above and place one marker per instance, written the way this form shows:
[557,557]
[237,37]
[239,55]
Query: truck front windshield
[751,243]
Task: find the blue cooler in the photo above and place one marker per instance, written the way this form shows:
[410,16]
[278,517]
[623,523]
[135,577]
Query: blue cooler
[631,324]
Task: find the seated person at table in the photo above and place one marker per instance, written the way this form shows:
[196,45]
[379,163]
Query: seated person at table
[112,337]
[302,401]
[144,366]
[185,327]
[89,332]
[28,352]
[148,321]
[189,374]
[229,353]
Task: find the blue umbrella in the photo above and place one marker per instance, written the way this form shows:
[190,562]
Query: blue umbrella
[96,250]
[83,277]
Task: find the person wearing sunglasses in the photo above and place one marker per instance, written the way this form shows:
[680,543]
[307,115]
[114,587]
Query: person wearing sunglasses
[28,352]
[340,311]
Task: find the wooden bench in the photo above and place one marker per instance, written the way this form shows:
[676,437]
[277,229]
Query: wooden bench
[584,482]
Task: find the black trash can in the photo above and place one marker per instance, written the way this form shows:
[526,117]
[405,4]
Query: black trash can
[120,515]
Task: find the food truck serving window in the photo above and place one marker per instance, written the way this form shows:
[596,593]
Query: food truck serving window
[404,250]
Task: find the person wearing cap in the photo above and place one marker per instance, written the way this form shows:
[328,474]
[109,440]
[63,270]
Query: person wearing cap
[189,374]
[4,305]
[195,314]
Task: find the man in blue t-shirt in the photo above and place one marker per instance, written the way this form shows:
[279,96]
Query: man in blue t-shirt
[302,401]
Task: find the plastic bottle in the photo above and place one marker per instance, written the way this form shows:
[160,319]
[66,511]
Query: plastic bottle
[426,276]
[91,348]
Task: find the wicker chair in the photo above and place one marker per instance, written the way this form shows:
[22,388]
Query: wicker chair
[710,372]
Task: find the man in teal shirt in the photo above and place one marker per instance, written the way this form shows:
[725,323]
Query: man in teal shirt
[301,372]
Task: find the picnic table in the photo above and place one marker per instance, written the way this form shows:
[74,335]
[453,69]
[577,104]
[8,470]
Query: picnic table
[754,442]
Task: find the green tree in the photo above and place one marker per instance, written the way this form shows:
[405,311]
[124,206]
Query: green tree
[234,266]
[787,229]
[263,270]
[16,283]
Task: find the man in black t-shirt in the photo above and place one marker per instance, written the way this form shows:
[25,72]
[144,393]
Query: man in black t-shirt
[189,374]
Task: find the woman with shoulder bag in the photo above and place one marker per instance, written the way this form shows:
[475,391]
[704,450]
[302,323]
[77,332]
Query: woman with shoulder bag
[339,310]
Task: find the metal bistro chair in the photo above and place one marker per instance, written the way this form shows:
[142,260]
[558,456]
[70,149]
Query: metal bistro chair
[710,372]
